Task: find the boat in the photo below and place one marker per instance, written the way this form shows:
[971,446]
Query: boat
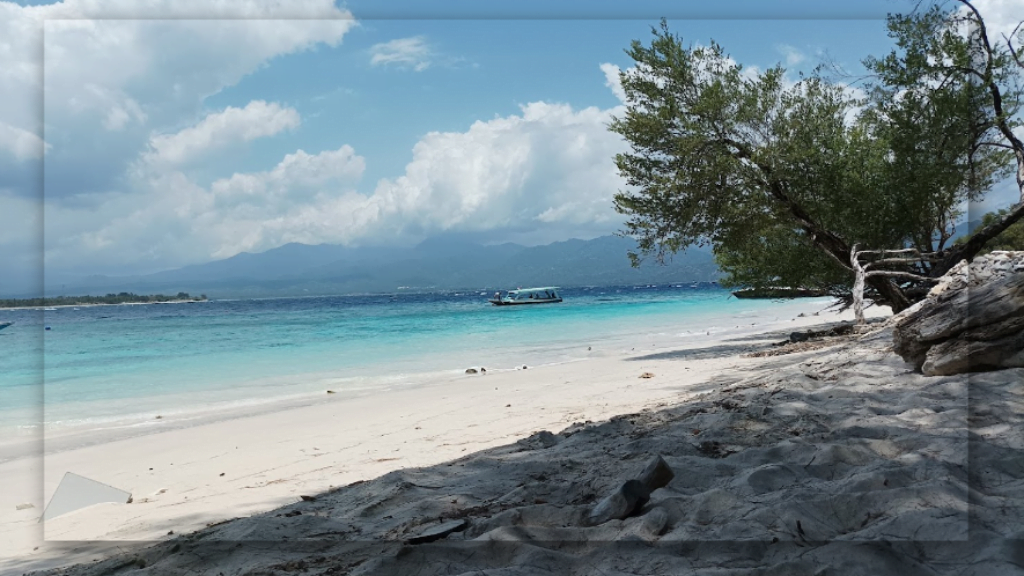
[5,325]
[543,295]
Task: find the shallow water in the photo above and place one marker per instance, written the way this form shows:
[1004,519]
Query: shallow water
[122,365]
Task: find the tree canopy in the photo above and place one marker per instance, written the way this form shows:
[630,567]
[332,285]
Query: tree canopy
[784,176]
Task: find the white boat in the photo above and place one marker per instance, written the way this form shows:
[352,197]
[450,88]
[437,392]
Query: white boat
[544,295]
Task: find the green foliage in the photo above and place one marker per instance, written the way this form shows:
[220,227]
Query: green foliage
[1010,239]
[779,257]
[121,298]
[784,178]
[934,107]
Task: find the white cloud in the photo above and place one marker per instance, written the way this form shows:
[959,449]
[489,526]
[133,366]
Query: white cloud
[115,71]
[792,55]
[296,177]
[403,52]
[20,143]
[168,219]
[544,171]
[1001,17]
[122,113]
[220,129]
[551,165]
[114,63]
[613,82]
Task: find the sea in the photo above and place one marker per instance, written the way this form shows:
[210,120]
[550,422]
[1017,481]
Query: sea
[134,367]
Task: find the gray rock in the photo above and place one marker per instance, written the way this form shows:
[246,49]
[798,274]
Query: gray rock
[546,439]
[542,439]
[628,499]
[657,474]
[654,522]
[470,370]
[438,531]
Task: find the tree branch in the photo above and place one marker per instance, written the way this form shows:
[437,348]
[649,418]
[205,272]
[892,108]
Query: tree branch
[1014,53]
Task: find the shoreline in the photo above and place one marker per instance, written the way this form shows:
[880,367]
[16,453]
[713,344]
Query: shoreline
[84,416]
[93,304]
[269,458]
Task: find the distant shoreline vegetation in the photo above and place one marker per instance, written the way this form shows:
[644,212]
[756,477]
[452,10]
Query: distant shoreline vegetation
[122,298]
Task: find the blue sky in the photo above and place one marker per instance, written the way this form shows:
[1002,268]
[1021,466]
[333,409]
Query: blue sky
[175,133]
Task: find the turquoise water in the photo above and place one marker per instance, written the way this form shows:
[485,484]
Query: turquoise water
[105,364]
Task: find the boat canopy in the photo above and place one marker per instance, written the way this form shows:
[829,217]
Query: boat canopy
[528,290]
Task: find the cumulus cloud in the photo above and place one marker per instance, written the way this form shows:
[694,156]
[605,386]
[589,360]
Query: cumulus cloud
[612,81]
[411,53]
[168,219]
[115,72]
[295,178]
[20,143]
[113,57]
[550,164]
[122,113]
[220,129]
[1001,17]
[791,54]
[548,168]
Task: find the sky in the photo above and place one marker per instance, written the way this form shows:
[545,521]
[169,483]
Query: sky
[144,135]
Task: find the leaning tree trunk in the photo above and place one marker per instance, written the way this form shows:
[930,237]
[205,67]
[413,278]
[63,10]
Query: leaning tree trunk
[891,293]
[858,284]
[968,250]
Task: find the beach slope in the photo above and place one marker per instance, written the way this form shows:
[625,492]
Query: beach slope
[839,458]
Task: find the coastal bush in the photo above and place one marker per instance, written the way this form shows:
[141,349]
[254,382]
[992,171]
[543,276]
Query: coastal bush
[782,178]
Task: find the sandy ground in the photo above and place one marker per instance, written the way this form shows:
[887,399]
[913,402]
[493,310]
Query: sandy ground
[902,478]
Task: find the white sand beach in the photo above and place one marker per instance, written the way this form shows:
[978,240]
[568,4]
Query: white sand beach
[184,479]
[834,445]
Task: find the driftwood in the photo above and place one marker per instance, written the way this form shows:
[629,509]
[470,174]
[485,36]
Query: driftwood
[966,330]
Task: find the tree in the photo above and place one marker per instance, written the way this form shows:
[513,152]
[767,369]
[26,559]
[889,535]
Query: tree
[1012,238]
[783,179]
[938,50]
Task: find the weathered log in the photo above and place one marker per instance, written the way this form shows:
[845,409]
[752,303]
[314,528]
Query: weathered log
[967,328]
[960,355]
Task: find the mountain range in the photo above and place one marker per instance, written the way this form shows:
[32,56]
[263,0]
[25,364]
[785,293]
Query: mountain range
[441,263]
[435,264]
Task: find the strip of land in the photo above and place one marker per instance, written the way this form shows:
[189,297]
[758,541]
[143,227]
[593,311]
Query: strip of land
[122,298]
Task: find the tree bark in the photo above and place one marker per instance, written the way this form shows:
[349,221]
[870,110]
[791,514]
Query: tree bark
[858,285]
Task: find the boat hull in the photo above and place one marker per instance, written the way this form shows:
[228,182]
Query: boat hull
[525,301]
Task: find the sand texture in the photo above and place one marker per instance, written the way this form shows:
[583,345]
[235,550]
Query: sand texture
[836,460]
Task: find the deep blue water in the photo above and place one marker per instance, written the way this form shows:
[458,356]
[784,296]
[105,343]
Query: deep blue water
[105,363]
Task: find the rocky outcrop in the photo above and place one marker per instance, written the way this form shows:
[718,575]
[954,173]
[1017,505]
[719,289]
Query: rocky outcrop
[973,320]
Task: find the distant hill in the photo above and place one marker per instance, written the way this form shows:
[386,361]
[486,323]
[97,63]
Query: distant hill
[436,264]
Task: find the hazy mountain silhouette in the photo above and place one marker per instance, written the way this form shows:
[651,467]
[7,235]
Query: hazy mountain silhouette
[436,264]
